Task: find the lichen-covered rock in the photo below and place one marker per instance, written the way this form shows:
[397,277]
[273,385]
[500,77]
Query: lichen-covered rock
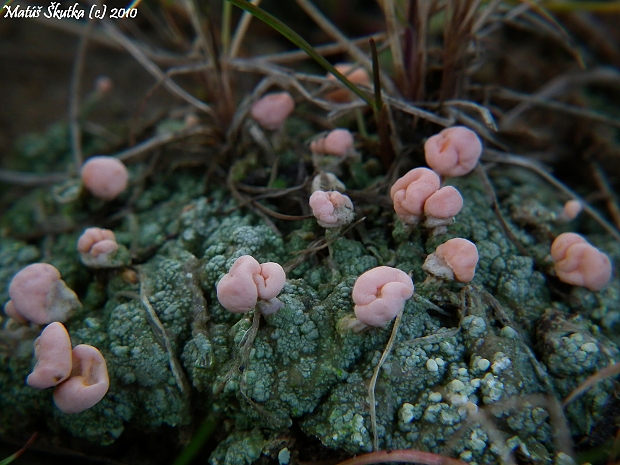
[463,378]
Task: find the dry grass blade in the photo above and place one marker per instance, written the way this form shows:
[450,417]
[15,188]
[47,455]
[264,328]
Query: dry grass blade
[543,22]
[21,178]
[375,376]
[611,198]
[394,38]
[17,454]
[495,156]
[457,38]
[490,191]
[333,32]
[416,49]
[159,331]
[154,70]
[74,98]
[149,145]
[415,111]
[242,28]
[405,456]
[552,105]
[328,49]
[604,373]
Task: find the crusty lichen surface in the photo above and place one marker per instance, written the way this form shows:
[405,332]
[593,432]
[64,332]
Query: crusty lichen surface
[465,377]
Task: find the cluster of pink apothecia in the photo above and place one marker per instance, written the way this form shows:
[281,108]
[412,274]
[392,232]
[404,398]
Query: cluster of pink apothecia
[419,198]
[39,296]
[80,376]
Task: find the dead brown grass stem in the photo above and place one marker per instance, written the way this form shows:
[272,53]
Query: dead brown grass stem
[99,37]
[604,373]
[324,50]
[558,86]
[144,148]
[517,160]
[373,381]
[21,178]
[405,456]
[242,28]
[74,98]
[154,70]
[611,198]
[353,50]
[394,33]
[457,38]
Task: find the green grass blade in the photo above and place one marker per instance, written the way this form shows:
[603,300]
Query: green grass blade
[299,41]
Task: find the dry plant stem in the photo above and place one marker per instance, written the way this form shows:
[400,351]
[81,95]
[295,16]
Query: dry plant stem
[244,200]
[375,376]
[418,298]
[327,49]
[484,112]
[160,334]
[393,34]
[560,85]
[17,454]
[154,70]
[195,18]
[610,196]
[481,172]
[74,98]
[456,38]
[242,28]
[499,157]
[99,37]
[562,437]
[604,373]
[351,48]
[484,15]
[415,111]
[149,145]
[21,178]
[502,315]
[417,50]
[552,105]
[405,456]
[538,25]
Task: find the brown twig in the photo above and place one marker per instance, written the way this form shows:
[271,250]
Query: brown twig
[406,456]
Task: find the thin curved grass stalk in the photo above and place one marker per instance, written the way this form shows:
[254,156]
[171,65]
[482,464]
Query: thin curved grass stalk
[393,34]
[153,69]
[557,86]
[415,111]
[557,106]
[593,7]
[490,191]
[540,23]
[375,376]
[484,113]
[302,44]
[604,373]
[405,456]
[242,28]
[17,454]
[544,13]
[21,178]
[161,336]
[495,156]
[147,146]
[74,98]
[326,49]
[604,185]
